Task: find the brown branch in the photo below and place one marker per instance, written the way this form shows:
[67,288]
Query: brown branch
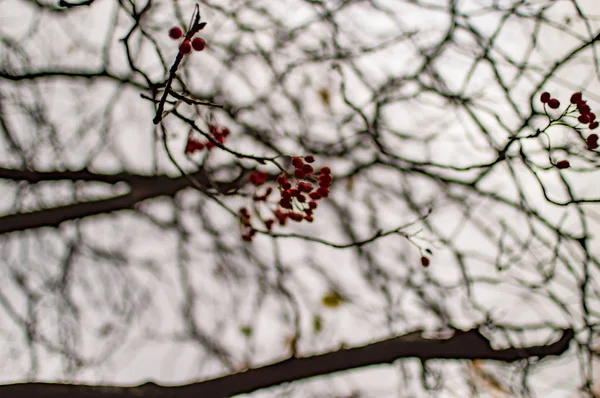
[142,188]
[462,345]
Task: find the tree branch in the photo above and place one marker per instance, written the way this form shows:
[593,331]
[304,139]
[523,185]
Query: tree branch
[462,345]
[142,188]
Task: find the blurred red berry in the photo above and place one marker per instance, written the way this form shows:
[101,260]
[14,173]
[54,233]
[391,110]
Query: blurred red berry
[304,187]
[324,192]
[592,141]
[269,223]
[576,98]
[258,177]
[175,33]
[307,168]
[315,195]
[299,173]
[285,203]
[312,204]
[308,218]
[325,170]
[553,103]
[296,216]
[247,238]
[309,159]
[185,47]
[425,261]
[593,125]
[545,97]
[297,162]
[198,44]
[563,164]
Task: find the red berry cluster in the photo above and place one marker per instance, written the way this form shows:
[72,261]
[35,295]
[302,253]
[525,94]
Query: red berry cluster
[186,46]
[298,198]
[586,116]
[219,134]
[552,102]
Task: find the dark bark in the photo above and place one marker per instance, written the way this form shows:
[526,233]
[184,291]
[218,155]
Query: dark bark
[468,345]
[141,188]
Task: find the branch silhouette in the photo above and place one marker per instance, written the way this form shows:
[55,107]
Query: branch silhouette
[468,345]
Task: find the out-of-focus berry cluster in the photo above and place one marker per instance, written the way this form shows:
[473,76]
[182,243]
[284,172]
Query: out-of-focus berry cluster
[219,134]
[299,193]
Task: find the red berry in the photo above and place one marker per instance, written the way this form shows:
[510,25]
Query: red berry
[553,103]
[299,173]
[576,98]
[185,47]
[593,125]
[592,141]
[425,261]
[198,44]
[307,168]
[585,118]
[312,204]
[563,164]
[592,116]
[269,223]
[304,187]
[325,170]
[309,159]
[247,238]
[175,33]
[285,203]
[286,185]
[545,97]
[583,108]
[296,216]
[308,218]
[297,162]
[281,179]
[324,192]
[315,195]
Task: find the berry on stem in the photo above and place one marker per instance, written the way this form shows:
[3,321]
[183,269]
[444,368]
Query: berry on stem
[576,98]
[553,103]
[563,164]
[198,44]
[175,33]
[545,97]
[592,141]
[185,47]
[297,162]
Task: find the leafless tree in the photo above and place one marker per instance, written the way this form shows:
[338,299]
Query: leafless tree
[141,253]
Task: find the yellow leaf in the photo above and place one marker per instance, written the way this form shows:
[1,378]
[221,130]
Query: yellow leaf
[332,299]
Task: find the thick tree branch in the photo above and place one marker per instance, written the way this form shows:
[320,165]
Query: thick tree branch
[462,345]
[142,188]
